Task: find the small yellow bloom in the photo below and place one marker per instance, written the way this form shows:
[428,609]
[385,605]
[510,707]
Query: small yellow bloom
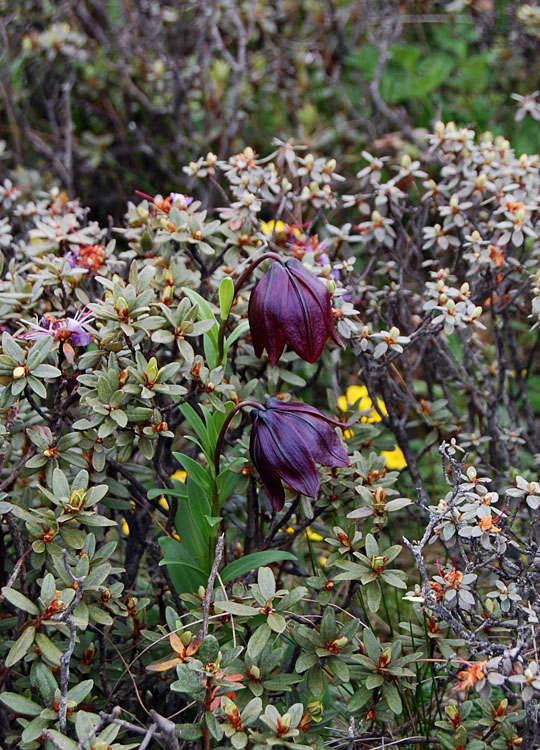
[311,535]
[124,526]
[179,474]
[323,561]
[359,393]
[394,459]
[279,229]
[271,227]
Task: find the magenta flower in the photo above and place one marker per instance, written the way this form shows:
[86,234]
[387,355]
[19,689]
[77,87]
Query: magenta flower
[286,441]
[68,330]
[290,305]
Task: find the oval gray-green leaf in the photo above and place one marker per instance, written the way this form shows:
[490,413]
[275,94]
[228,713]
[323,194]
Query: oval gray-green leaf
[21,646]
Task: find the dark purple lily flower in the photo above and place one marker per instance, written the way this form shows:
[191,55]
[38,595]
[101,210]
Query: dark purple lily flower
[286,441]
[290,305]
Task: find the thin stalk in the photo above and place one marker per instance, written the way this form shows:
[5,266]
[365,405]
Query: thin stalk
[388,618]
[311,555]
[362,604]
[419,703]
[225,426]
[217,456]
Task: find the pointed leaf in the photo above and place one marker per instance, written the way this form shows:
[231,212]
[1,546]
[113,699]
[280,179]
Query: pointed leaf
[243,565]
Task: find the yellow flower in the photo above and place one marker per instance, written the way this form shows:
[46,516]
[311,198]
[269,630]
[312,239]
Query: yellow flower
[279,229]
[164,504]
[359,393]
[311,535]
[179,474]
[323,561]
[394,458]
[269,227]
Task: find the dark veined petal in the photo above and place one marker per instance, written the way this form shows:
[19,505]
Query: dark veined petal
[286,440]
[272,484]
[305,321]
[286,452]
[316,294]
[299,407]
[325,445]
[266,311]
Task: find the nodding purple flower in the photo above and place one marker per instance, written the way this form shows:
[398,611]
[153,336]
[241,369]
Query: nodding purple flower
[68,330]
[290,305]
[286,441]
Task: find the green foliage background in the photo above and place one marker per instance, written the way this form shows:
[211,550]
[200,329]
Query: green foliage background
[152,86]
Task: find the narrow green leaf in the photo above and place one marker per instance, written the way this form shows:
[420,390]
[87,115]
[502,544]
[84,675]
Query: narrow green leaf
[392,697]
[197,425]
[20,704]
[235,608]
[46,371]
[21,646]
[11,347]
[79,692]
[373,648]
[315,681]
[51,652]
[258,640]
[241,329]
[266,583]
[226,296]
[194,470]
[204,311]
[20,601]
[243,565]
[42,678]
[226,482]
[185,574]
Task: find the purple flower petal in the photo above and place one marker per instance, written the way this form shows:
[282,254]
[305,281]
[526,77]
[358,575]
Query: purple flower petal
[286,441]
[291,305]
[326,447]
[286,452]
[272,484]
[299,407]
[265,313]
[313,287]
[304,322]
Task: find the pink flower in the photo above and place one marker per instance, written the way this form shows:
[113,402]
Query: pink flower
[68,330]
